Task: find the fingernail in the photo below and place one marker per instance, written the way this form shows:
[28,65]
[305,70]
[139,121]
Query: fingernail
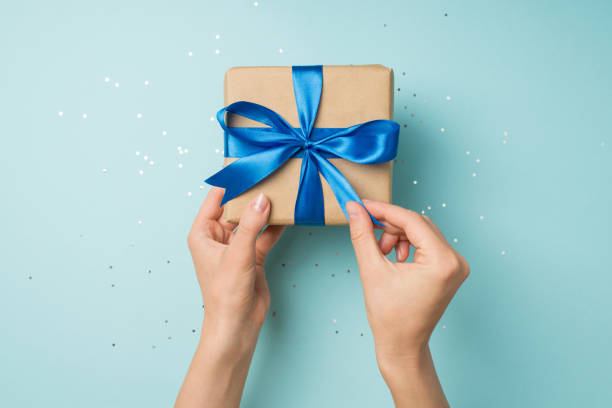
[351,209]
[260,203]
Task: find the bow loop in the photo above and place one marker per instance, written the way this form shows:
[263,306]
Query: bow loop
[366,143]
[258,113]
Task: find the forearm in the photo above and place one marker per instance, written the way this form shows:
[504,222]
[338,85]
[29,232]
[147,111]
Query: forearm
[413,380]
[219,368]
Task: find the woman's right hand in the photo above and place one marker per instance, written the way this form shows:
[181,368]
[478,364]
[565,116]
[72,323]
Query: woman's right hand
[404,301]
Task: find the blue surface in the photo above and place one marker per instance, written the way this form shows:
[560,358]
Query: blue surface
[531,327]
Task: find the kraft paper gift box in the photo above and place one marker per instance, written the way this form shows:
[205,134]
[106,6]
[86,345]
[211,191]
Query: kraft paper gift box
[350,95]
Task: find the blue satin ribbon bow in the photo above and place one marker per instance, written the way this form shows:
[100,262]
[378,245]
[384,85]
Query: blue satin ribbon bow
[262,150]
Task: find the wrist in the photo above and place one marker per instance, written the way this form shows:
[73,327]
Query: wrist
[228,339]
[406,361]
[412,379]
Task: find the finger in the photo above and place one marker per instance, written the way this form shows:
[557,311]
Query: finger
[434,227]
[228,226]
[417,230]
[267,239]
[387,241]
[211,207]
[251,222]
[402,251]
[362,235]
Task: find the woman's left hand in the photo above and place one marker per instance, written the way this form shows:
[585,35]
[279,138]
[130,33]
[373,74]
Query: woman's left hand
[229,264]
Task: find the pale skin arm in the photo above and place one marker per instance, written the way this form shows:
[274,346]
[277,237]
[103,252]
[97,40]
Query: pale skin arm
[404,301]
[230,269]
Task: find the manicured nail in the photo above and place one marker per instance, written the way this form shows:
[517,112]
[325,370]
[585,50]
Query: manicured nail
[400,252]
[260,203]
[351,209]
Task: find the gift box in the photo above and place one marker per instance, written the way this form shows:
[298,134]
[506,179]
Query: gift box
[269,118]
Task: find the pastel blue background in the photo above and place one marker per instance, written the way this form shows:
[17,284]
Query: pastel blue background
[530,97]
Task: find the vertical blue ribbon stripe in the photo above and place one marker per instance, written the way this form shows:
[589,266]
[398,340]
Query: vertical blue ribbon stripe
[261,151]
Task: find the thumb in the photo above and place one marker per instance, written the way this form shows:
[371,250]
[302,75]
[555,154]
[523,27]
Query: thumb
[251,222]
[362,235]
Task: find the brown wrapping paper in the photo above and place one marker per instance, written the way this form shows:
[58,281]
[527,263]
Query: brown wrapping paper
[351,95]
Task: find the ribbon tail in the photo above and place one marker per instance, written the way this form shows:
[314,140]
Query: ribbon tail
[309,205]
[340,186]
[245,172]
